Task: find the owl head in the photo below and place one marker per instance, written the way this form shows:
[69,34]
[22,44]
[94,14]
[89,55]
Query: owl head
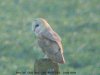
[39,25]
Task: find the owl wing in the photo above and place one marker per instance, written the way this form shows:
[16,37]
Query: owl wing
[53,36]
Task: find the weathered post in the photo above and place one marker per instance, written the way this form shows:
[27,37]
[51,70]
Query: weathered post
[45,67]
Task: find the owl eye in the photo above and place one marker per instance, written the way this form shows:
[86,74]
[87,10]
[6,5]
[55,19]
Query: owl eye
[37,25]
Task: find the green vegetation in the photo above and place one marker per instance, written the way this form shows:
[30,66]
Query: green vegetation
[76,21]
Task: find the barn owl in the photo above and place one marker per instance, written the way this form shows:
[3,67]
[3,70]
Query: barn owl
[48,40]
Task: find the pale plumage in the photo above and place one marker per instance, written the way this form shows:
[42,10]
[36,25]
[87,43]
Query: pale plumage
[48,40]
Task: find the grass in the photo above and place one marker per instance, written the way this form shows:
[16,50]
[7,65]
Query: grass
[76,21]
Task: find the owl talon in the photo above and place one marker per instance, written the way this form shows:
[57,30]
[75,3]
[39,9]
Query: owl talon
[45,56]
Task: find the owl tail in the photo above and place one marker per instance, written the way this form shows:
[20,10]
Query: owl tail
[59,58]
[62,60]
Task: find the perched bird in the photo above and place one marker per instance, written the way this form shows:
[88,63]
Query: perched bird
[48,40]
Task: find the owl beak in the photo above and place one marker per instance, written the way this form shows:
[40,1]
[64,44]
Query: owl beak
[33,29]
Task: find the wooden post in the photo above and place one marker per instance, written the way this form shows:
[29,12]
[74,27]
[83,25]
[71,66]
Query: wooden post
[46,67]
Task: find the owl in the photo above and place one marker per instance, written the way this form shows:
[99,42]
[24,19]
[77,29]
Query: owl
[48,40]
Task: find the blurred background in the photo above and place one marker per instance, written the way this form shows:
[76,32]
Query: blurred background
[76,21]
